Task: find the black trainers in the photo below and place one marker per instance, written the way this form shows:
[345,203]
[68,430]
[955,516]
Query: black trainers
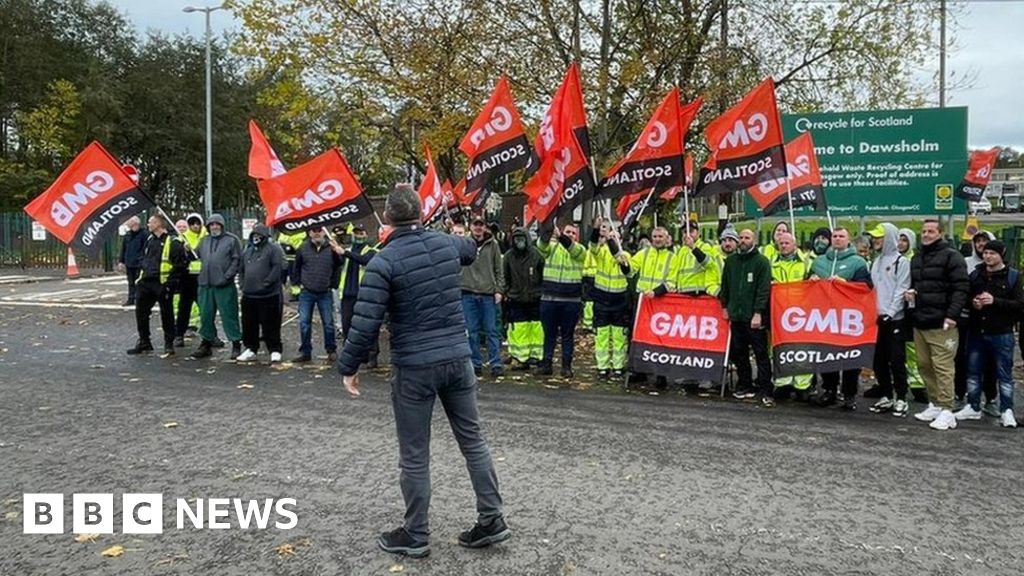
[497,372]
[217,342]
[767,402]
[204,350]
[482,536]
[236,349]
[398,541]
[168,350]
[849,405]
[140,347]
[618,374]
[567,372]
[302,358]
[478,372]
[544,370]
[179,342]
[603,374]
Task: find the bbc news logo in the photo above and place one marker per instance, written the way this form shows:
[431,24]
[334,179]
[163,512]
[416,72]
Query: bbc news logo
[144,513]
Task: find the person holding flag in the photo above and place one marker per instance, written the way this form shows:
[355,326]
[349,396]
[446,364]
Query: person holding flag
[611,299]
[694,269]
[561,291]
[164,261]
[840,262]
[652,266]
[317,269]
[790,265]
[356,259]
[129,262]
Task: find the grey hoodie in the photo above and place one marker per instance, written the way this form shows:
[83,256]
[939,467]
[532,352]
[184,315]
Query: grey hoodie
[220,256]
[974,259]
[890,273]
[263,267]
[912,238]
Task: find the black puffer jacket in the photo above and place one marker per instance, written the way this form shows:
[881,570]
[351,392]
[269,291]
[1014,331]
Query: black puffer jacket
[415,281]
[939,275]
[1002,315]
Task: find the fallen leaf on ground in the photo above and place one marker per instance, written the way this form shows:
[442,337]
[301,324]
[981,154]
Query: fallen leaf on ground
[211,371]
[81,538]
[501,459]
[396,569]
[113,552]
[170,424]
[135,379]
[11,516]
[245,386]
[285,550]
[97,367]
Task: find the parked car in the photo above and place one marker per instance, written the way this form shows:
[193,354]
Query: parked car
[982,206]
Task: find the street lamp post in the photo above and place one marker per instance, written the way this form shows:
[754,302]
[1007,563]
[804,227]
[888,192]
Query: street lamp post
[208,195]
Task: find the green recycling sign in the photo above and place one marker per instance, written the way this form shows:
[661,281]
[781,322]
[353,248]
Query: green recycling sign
[887,162]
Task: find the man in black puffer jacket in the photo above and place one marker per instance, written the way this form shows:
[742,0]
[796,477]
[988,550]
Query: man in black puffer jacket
[415,281]
[938,293]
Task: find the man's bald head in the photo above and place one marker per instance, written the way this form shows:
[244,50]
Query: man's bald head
[787,243]
[746,240]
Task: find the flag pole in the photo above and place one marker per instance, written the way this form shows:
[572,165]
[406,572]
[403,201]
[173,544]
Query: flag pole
[789,194]
[174,230]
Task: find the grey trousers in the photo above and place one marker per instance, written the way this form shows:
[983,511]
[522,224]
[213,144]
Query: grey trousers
[413,391]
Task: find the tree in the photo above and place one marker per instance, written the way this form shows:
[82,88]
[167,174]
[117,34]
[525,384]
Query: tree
[426,66]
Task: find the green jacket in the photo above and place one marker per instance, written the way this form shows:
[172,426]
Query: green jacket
[485,275]
[846,264]
[746,282]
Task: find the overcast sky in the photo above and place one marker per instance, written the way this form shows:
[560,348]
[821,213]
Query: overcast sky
[990,39]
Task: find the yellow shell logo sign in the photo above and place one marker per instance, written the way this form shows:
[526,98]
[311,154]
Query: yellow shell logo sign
[943,197]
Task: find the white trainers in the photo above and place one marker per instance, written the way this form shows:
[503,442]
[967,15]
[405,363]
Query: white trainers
[900,409]
[246,356]
[1007,419]
[275,357]
[944,421]
[968,413]
[930,413]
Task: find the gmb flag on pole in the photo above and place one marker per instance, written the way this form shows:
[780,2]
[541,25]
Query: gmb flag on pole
[804,180]
[979,172]
[746,145]
[432,194]
[822,326]
[679,336]
[87,202]
[320,193]
[496,143]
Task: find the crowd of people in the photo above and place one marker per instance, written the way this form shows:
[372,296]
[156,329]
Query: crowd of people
[945,322]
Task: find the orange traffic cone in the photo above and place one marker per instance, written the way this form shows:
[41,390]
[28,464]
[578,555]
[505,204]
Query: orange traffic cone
[72,265]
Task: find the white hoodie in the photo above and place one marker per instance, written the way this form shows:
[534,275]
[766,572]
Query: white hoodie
[890,273]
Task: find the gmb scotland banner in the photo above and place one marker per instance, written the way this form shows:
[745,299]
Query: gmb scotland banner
[679,336]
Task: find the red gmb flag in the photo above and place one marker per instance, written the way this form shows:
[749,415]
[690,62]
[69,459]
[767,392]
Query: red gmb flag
[263,161]
[657,154]
[822,326]
[746,144]
[496,143]
[631,207]
[87,202]
[678,336]
[804,180]
[432,201]
[320,193]
[451,201]
[979,172]
[562,182]
[566,112]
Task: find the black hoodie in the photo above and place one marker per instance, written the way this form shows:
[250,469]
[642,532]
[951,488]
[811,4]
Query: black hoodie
[524,271]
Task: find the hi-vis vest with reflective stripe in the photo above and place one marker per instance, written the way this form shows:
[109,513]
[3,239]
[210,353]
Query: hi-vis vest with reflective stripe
[362,269]
[293,240]
[165,258]
[589,265]
[608,275]
[563,269]
[794,270]
[688,275]
[192,241]
[651,266]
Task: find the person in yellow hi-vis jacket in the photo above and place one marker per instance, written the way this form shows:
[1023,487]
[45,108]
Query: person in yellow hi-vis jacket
[611,300]
[695,269]
[186,308]
[291,243]
[651,266]
[560,294]
[790,265]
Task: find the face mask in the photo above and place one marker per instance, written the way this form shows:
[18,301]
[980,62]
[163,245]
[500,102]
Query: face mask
[519,243]
[358,241]
[256,239]
[216,232]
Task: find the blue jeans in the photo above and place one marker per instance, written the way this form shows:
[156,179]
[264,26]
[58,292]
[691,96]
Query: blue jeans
[481,312]
[324,303]
[985,349]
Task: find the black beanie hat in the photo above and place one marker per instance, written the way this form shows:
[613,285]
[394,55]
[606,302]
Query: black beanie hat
[996,246]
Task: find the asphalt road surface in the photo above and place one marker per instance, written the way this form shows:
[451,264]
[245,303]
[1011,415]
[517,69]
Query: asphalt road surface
[595,481]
